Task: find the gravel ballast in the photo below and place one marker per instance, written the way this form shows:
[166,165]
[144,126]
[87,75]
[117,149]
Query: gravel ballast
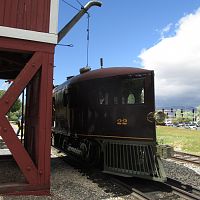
[184,172]
[69,183]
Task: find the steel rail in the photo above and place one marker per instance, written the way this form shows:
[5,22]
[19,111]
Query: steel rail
[183,190]
[134,192]
[176,187]
[188,188]
[187,154]
[194,159]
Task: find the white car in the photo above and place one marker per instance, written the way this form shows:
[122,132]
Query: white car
[193,127]
[168,124]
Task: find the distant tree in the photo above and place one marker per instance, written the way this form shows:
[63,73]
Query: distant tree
[198,114]
[15,111]
[184,117]
[188,115]
[1,93]
[16,106]
[198,110]
[178,113]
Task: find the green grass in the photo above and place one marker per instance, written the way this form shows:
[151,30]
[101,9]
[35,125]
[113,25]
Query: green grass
[181,139]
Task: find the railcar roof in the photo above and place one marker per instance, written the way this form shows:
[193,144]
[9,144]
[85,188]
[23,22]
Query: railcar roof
[104,73]
[108,72]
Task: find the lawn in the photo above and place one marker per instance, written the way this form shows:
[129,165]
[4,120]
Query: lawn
[181,139]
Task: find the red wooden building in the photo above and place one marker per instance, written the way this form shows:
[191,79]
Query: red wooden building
[28,35]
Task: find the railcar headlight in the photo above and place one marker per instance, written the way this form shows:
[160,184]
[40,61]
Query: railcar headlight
[158,117]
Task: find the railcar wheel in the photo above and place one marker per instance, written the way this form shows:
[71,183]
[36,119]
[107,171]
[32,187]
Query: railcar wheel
[91,152]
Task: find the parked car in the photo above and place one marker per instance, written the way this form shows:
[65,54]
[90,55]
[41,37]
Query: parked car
[187,126]
[168,124]
[193,127]
[181,125]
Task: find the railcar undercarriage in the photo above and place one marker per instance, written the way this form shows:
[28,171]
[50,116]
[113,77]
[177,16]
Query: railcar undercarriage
[118,157]
[84,150]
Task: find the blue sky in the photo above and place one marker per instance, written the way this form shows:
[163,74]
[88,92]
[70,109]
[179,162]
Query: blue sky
[138,33]
[119,31]
[162,35]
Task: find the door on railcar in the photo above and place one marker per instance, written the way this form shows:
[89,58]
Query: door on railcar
[117,106]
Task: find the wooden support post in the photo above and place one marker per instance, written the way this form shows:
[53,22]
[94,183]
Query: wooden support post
[33,162]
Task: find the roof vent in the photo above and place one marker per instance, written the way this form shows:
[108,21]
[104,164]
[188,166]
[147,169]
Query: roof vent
[85,69]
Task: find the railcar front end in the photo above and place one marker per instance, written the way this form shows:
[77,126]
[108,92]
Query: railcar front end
[102,116]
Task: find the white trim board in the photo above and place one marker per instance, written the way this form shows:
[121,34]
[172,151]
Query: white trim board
[53,24]
[28,35]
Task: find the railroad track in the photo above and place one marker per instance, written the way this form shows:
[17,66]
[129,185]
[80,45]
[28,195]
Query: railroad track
[152,190]
[135,192]
[141,189]
[184,189]
[186,157]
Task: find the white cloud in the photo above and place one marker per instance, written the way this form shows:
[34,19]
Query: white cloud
[176,62]
[166,29]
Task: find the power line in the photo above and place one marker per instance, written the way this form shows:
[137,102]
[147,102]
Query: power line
[70,5]
[88,36]
[88,27]
[80,4]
